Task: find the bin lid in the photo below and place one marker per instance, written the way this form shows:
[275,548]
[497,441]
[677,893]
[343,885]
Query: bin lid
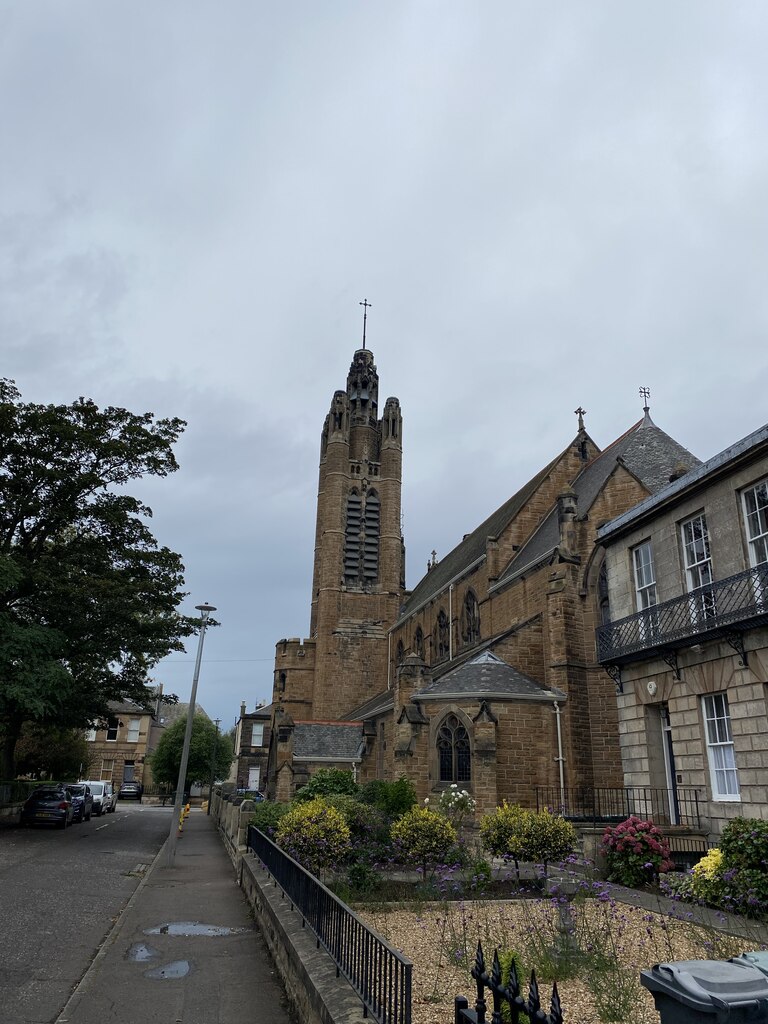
[759,958]
[708,985]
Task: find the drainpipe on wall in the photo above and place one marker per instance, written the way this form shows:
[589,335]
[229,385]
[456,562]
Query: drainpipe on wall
[389,660]
[450,623]
[560,759]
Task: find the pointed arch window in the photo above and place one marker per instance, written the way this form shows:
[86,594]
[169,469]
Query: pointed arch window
[470,631]
[453,751]
[441,646]
[361,538]
[418,642]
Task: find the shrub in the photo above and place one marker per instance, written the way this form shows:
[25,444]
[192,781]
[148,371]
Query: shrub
[327,781]
[637,852]
[315,833]
[744,843]
[455,804]
[267,814]
[423,836]
[394,798]
[365,821]
[516,834]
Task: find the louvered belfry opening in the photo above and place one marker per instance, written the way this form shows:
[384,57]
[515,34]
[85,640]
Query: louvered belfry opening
[361,539]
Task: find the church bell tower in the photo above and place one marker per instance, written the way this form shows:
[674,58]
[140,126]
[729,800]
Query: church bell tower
[359,571]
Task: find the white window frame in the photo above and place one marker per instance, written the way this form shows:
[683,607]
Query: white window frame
[107,769]
[644,574]
[721,755]
[698,567]
[134,731]
[756,522]
[257,734]
[112,728]
[90,734]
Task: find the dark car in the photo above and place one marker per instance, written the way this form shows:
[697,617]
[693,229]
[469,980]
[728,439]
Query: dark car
[130,791]
[50,805]
[82,801]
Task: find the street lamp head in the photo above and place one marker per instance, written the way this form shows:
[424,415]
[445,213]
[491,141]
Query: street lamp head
[205,610]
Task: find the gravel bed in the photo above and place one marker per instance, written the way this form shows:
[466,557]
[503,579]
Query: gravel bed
[441,940]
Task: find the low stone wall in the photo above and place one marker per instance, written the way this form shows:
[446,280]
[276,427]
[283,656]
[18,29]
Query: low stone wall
[308,973]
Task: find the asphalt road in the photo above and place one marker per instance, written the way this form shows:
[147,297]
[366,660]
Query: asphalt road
[60,894]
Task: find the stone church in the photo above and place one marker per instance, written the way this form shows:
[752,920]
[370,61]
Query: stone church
[485,673]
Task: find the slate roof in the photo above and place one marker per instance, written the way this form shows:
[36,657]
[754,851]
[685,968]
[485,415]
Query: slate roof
[472,548]
[337,741]
[648,453]
[383,701]
[486,675]
[699,474]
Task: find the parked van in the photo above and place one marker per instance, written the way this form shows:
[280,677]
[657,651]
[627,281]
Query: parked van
[98,792]
[110,798]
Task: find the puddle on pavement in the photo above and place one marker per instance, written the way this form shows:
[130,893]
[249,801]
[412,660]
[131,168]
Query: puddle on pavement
[187,928]
[140,952]
[177,969]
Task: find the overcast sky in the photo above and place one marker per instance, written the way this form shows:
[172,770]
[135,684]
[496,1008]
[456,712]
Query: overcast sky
[548,205]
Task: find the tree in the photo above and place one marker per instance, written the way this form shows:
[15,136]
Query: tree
[88,600]
[207,748]
[52,751]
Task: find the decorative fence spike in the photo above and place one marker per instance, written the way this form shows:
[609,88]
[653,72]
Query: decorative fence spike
[510,993]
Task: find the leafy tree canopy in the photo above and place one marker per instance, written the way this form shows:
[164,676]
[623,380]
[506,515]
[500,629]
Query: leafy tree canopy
[207,747]
[52,752]
[88,600]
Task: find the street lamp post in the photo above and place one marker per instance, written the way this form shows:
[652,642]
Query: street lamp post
[216,722]
[170,851]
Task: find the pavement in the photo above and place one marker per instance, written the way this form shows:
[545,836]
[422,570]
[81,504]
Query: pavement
[185,950]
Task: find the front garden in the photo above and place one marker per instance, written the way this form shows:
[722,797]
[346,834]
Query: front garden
[434,888]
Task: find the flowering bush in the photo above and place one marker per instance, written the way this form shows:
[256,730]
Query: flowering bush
[315,833]
[512,832]
[637,852]
[423,836]
[455,804]
[744,843]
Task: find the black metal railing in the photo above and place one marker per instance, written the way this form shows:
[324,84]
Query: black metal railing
[510,995]
[378,973]
[706,612]
[595,806]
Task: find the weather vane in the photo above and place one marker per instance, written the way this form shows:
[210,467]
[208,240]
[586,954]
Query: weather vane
[645,394]
[367,305]
[581,413]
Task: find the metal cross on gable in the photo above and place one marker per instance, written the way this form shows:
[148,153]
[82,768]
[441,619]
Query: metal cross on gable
[645,394]
[581,413]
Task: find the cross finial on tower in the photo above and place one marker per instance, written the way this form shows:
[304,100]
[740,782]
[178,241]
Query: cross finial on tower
[645,394]
[366,304]
[581,413]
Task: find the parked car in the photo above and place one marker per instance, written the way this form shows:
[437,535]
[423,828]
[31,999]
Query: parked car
[131,791]
[48,804]
[97,792]
[110,798]
[82,801]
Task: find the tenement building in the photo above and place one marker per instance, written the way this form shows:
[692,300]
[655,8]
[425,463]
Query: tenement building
[486,672]
[686,639]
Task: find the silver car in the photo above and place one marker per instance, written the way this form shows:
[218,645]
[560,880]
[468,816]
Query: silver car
[98,790]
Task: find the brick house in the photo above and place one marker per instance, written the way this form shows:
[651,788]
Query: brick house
[686,639]
[486,672]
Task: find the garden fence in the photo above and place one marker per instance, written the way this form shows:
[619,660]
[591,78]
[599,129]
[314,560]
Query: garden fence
[520,1008]
[378,973]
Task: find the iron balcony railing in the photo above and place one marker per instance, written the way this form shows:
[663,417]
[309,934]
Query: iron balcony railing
[678,806]
[705,613]
[378,973]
